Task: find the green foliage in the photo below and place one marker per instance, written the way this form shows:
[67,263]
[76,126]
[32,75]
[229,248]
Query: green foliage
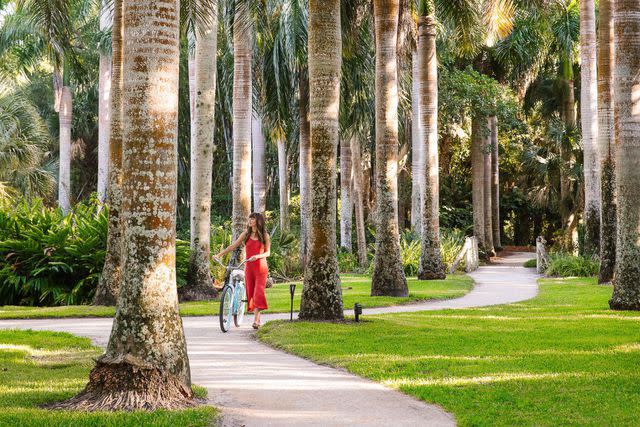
[532,263]
[47,258]
[568,265]
[519,364]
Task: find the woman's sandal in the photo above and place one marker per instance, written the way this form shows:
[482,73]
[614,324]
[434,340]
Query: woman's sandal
[256,325]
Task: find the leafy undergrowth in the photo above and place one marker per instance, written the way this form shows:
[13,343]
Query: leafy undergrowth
[38,367]
[562,358]
[355,288]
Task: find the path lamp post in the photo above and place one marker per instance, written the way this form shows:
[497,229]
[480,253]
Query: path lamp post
[357,310]
[292,290]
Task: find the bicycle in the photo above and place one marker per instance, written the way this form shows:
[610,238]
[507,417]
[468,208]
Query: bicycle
[232,302]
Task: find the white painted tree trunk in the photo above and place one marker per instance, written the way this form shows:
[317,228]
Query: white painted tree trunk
[388,277]
[322,293]
[283,184]
[626,77]
[242,111]
[191,67]
[589,121]
[346,205]
[199,285]
[64,178]
[477,184]
[356,179]
[495,183]
[416,148]
[259,165]
[486,183]
[431,264]
[104,90]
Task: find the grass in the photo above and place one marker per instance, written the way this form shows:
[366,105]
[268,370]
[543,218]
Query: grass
[355,288]
[531,263]
[562,358]
[41,367]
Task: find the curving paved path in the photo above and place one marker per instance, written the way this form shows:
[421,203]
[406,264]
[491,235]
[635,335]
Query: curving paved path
[255,385]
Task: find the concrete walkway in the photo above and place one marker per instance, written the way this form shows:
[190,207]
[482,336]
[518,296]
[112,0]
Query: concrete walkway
[255,385]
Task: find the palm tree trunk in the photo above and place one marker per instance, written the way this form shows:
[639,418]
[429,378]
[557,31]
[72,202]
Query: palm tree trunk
[477,185]
[588,118]
[259,165]
[605,143]
[626,286]
[356,180]
[145,365]
[322,293]
[431,264]
[305,166]
[346,205]
[242,111]
[199,285]
[416,147]
[191,67]
[488,227]
[64,181]
[495,183]
[283,183]
[104,88]
[388,274]
[111,277]
[567,208]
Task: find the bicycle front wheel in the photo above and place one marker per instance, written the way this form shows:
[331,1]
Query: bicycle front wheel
[226,309]
[238,317]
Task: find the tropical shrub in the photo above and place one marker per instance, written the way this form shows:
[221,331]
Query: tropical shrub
[566,265]
[532,263]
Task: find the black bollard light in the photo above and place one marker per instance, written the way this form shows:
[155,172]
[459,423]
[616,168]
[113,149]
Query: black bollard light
[292,290]
[357,310]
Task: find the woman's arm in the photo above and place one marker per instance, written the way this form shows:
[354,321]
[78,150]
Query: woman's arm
[233,246]
[267,249]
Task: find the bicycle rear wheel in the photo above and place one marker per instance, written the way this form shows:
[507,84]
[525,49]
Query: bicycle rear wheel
[226,308]
[238,318]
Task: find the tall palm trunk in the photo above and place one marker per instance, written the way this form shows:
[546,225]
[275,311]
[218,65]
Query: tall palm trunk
[477,184]
[305,166]
[488,227]
[605,142]
[431,265]
[567,208]
[495,183]
[191,69]
[104,88]
[242,110]
[111,277]
[416,147]
[358,202]
[259,165]
[322,293]
[145,365]
[626,285]
[589,120]
[199,277]
[283,183]
[388,274]
[346,206]
[64,178]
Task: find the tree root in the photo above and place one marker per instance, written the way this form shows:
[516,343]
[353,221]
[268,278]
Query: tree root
[122,386]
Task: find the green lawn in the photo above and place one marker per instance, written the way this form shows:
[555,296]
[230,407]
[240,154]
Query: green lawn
[355,288]
[562,358]
[42,367]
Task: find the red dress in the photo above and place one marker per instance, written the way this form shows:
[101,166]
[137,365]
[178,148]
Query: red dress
[255,275]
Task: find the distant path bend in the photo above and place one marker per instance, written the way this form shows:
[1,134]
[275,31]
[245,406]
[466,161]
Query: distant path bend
[255,385]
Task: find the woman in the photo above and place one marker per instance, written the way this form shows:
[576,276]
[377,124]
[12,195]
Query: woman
[258,248]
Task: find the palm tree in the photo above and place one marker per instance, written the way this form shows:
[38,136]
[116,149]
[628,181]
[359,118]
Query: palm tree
[495,183]
[199,276]
[322,293]
[488,212]
[145,365]
[626,286]
[242,112]
[259,165]
[605,143]
[416,145]
[477,171]
[589,121]
[388,275]
[283,180]
[104,88]
[358,203]
[111,277]
[304,166]
[431,265]
[346,205]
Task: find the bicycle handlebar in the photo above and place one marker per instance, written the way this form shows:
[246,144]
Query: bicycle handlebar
[229,267]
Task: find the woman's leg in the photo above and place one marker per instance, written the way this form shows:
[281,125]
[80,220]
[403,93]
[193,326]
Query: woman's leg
[256,314]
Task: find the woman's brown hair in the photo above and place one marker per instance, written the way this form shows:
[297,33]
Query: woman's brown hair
[259,228]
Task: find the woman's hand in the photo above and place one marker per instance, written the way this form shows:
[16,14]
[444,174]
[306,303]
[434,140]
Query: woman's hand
[253,258]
